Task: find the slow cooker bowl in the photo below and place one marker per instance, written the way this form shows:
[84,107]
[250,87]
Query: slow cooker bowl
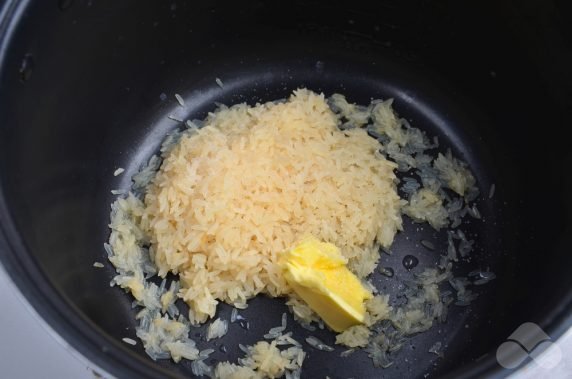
[86,87]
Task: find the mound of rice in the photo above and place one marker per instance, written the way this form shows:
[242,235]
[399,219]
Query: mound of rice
[233,195]
[228,195]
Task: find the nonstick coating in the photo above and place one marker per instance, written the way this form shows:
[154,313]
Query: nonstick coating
[87,86]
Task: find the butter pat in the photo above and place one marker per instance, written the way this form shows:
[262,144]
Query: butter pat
[317,272]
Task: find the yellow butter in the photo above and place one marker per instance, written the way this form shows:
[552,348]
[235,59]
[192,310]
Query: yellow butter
[317,272]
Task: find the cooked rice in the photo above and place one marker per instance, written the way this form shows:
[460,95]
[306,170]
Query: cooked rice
[378,309]
[227,370]
[236,189]
[318,344]
[426,205]
[180,100]
[264,360]
[454,173]
[174,118]
[231,197]
[492,191]
[347,353]
[217,329]
[355,336]
[427,244]
[436,349]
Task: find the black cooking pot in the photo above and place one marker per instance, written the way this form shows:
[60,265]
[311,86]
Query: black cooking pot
[86,86]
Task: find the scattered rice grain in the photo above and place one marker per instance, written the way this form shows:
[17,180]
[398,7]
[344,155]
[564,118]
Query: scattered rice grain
[347,353]
[129,341]
[492,190]
[474,212]
[200,368]
[180,100]
[318,344]
[217,329]
[174,118]
[233,315]
[428,244]
[436,349]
